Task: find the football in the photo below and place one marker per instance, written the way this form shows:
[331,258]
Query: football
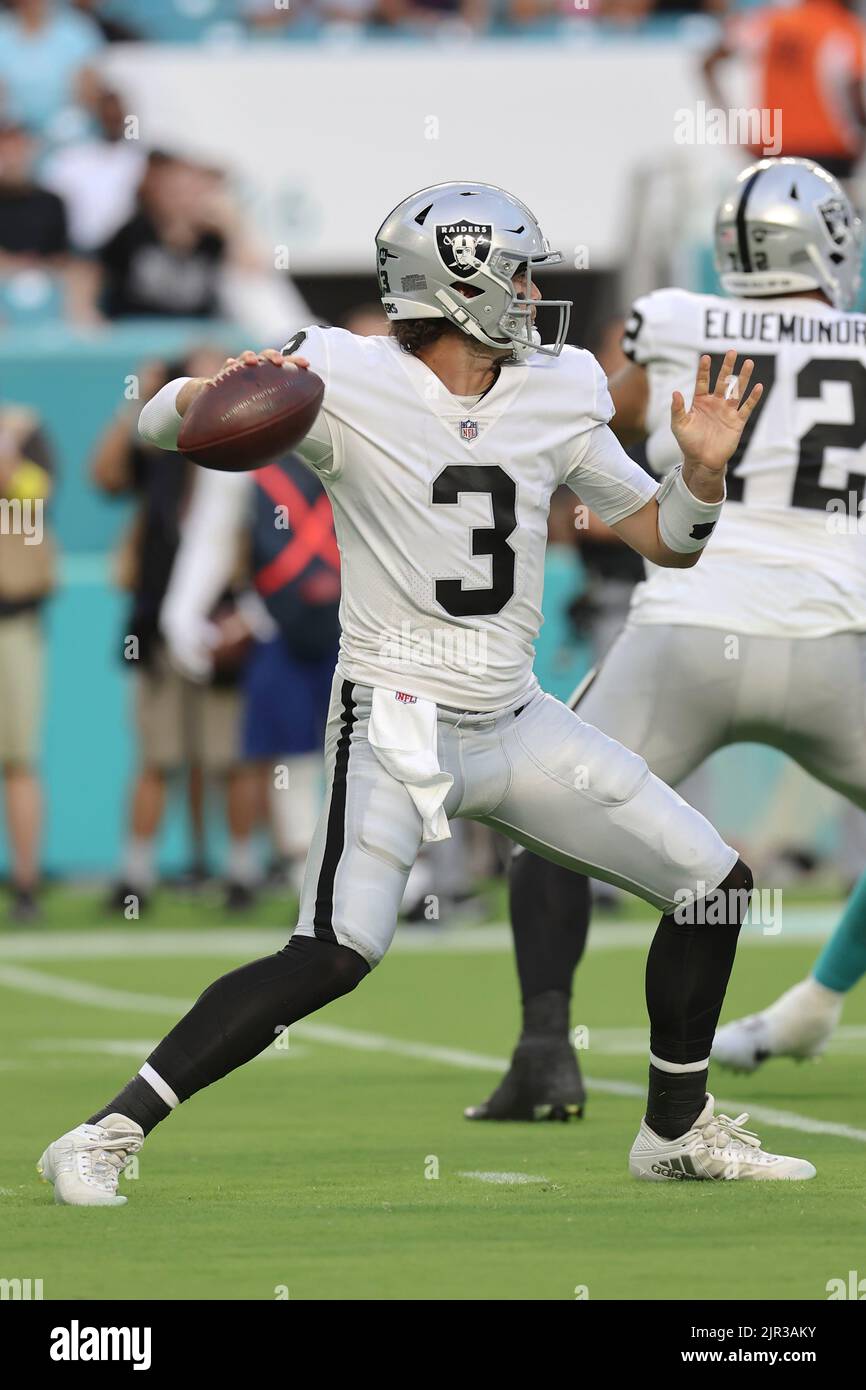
[250,415]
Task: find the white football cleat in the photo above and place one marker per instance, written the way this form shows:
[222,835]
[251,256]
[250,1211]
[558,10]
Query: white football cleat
[799,1024]
[85,1164]
[715,1148]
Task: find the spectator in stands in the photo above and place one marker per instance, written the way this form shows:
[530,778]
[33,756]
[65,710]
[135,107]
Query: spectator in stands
[98,178]
[163,260]
[33,228]
[180,723]
[112,30]
[181,252]
[261,299]
[26,580]
[620,15]
[265,17]
[811,63]
[296,567]
[472,15]
[45,53]
[281,515]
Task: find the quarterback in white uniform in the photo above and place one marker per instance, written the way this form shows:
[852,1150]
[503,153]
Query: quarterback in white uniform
[766,640]
[440,448]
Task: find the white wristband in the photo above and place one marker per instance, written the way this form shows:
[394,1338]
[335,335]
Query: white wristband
[159,422]
[685,523]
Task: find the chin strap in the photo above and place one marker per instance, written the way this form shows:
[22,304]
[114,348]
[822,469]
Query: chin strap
[456,314]
[520,352]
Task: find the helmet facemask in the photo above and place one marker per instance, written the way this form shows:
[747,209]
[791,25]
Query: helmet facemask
[514,327]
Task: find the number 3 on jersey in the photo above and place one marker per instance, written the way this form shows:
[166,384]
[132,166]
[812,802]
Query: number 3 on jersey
[488,478]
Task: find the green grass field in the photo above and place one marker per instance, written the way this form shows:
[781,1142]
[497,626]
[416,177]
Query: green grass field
[342,1167]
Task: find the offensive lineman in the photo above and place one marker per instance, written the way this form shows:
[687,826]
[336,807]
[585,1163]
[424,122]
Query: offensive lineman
[440,448]
[766,642]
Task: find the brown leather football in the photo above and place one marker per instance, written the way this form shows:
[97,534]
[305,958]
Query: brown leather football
[250,416]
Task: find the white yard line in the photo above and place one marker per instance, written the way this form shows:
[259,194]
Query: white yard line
[505,1177]
[141,1047]
[801,925]
[96,996]
[123,1001]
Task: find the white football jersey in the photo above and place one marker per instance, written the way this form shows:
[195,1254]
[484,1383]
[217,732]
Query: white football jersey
[441,508]
[787,557]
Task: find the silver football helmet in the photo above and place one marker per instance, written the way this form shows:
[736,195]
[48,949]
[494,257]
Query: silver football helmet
[789,226]
[450,252]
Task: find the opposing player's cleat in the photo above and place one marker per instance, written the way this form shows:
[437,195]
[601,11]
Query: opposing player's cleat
[85,1164]
[715,1148]
[799,1025]
[240,897]
[24,909]
[542,1083]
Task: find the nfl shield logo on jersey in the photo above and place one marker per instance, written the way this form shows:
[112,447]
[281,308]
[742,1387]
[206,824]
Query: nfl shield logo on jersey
[468,429]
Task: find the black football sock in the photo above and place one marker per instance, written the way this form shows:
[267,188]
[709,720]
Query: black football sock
[138,1101]
[675,1101]
[687,973]
[235,1019]
[550,921]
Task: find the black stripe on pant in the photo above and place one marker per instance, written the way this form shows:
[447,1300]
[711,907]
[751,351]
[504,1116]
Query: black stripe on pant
[335,837]
[584,688]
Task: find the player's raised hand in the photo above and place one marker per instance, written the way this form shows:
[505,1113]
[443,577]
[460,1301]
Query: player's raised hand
[709,432]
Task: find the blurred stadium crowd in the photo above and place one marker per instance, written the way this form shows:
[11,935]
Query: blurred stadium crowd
[97,230]
[93,22]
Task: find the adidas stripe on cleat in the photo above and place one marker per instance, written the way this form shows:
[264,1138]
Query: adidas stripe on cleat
[716,1149]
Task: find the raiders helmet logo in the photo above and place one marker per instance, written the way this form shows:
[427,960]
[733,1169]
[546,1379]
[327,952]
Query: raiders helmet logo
[835,219]
[463,246]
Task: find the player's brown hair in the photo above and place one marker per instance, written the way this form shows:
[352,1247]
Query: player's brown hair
[415,334]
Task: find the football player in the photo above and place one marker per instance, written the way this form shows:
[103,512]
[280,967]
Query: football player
[766,641]
[440,447]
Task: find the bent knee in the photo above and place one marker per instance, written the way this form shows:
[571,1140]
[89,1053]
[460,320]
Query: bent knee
[739,879]
[348,967]
[725,905]
[344,966]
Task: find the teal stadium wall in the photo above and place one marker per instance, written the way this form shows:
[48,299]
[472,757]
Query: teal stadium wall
[76,383]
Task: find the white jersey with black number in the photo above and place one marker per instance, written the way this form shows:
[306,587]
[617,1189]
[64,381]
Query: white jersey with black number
[786,557]
[441,509]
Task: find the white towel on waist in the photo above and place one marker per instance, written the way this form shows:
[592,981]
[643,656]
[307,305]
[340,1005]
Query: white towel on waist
[402,734]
